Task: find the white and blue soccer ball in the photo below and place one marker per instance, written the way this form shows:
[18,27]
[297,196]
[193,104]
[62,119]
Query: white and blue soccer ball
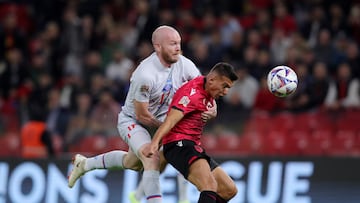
[282,81]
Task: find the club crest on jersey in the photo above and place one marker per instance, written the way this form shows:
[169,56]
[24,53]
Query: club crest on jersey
[208,104]
[184,101]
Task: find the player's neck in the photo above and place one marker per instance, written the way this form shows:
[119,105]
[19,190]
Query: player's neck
[166,65]
[163,62]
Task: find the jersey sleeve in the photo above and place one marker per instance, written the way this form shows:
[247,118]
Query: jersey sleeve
[184,102]
[191,70]
[142,87]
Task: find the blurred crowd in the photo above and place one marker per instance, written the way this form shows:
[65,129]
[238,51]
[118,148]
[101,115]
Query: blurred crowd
[67,63]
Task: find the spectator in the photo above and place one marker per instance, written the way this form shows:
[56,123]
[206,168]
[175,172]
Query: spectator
[23,95]
[71,85]
[243,93]
[199,52]
[128,38]
[38,68]
[279,46]
[186,25]
[11,36]
[311,28]
[21,13]
[97,83]
[208,24]
[144,19]
[283,20]
[119,68]
[240,98]
[344,91]
[36,139]
[90,39]
[112,43]
[228,27]
[293,56]
[254,40]
[298,41]
[262,65]
[354,23]
[57,117]
[105,24]
[118,72]
[353,58]
[264,25]
[318,88]
[38,98]
[250,59]
[14,72]
[216,49]
[308,58]
[9,113]
[50,38]
[144,49]
[265,101]
[72,41]
[337,24]
[167,17]
[92,66]
[103,117]
[296,102]
[324,49]
[341,43]
[79,122]
[235,50]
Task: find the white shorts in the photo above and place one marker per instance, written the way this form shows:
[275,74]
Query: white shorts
[134,134]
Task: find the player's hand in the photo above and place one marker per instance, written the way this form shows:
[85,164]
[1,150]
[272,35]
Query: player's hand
[210,113]
[151,149]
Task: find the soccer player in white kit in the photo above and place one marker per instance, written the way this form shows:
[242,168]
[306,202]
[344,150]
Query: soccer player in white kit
[152,86]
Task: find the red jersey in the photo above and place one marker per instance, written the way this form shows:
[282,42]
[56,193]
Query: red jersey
[192,100]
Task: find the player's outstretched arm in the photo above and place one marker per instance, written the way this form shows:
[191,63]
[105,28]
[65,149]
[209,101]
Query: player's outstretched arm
[173,117]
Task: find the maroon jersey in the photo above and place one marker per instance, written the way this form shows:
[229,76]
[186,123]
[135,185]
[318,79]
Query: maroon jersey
[192,100]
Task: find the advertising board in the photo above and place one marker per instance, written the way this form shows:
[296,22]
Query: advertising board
[259,180]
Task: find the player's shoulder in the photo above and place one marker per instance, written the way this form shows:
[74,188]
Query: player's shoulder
[147,62]
[146,68]
[193,86]
[186,62]
[142,73]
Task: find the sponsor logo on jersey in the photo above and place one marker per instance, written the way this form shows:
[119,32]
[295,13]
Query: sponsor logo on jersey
[193,91]
[179,143]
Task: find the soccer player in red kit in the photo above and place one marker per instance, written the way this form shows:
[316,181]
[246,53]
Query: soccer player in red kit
[181,131]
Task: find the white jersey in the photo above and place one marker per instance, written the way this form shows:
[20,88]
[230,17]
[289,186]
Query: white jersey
[156,84]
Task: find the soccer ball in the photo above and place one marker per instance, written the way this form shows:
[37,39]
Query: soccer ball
[282,81]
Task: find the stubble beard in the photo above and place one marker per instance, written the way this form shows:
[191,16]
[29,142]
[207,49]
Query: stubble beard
[169,59]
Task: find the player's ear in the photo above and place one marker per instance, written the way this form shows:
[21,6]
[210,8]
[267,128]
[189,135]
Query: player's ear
[211,76]
[157,47]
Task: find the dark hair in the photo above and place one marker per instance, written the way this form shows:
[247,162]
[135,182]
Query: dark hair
[225,69]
